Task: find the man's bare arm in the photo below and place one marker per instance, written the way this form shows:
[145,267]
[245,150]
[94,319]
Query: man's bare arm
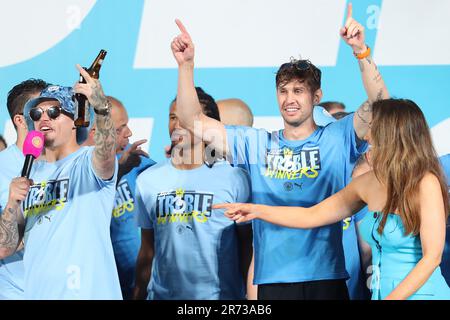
[189,110]
[373,81]
[9,232]
[376,90]
[11,219]
[105,142]
[353,34]
[104,156]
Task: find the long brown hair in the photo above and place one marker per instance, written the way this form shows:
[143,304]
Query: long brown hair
[402,153]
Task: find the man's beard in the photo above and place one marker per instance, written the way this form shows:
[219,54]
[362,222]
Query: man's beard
[49,143]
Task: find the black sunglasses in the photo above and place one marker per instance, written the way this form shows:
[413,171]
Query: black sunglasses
[303,65]
[53,112]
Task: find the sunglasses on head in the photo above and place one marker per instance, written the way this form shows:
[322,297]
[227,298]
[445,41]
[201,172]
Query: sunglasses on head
[303,65]
[53,112]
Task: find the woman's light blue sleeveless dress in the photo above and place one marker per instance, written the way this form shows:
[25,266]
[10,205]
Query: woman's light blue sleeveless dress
[394,255]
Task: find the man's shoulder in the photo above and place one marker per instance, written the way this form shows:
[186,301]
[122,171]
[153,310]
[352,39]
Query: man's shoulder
[11,160]
[81,153]
[249,138]
[341,123]
[154,170]
[337,131]
[10,153]
[73,163]
[228,171]
[145,163]
[246,130]
[77,160]
[226,166]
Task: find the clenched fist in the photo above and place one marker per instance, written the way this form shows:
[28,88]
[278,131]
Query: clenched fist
[18,190]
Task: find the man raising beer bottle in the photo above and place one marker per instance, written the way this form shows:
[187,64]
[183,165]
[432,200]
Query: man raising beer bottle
[65,213]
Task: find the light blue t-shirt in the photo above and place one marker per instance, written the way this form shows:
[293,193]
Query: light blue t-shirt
[125,233]
[11,268]
[296,173]
[196,248]
[68,251]
[445,263]
[356,284]
[321,116]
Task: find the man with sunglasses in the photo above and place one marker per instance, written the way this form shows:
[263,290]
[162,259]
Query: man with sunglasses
[65,214]
[11,268]
[298,166]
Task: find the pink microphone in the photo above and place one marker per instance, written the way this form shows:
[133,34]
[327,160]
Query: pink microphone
[32,148]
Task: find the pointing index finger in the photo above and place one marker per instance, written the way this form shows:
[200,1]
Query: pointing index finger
[181,26]
[349,10]
[222,206]
[139,142]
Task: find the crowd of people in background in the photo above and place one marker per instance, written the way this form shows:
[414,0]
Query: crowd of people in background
[335,205]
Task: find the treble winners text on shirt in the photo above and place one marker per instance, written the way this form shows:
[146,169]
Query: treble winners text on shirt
[46,196]
[183,206]
[287,164]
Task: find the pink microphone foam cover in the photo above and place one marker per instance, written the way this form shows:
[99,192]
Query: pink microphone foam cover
[34,143]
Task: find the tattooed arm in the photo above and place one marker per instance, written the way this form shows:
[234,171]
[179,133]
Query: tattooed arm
[353,34]
[105,143]
[104,157]
[11,231]
[12,223]
[376,90]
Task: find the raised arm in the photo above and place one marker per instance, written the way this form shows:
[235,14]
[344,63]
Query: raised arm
[189,110]
[333,209]
[104,156]
[12,223]
[432,238]
[353,34]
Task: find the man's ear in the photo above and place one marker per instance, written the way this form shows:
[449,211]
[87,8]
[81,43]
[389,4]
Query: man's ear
[19,121]
[317,96]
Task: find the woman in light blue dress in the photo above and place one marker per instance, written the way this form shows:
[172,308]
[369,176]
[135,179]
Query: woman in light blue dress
[408,206]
